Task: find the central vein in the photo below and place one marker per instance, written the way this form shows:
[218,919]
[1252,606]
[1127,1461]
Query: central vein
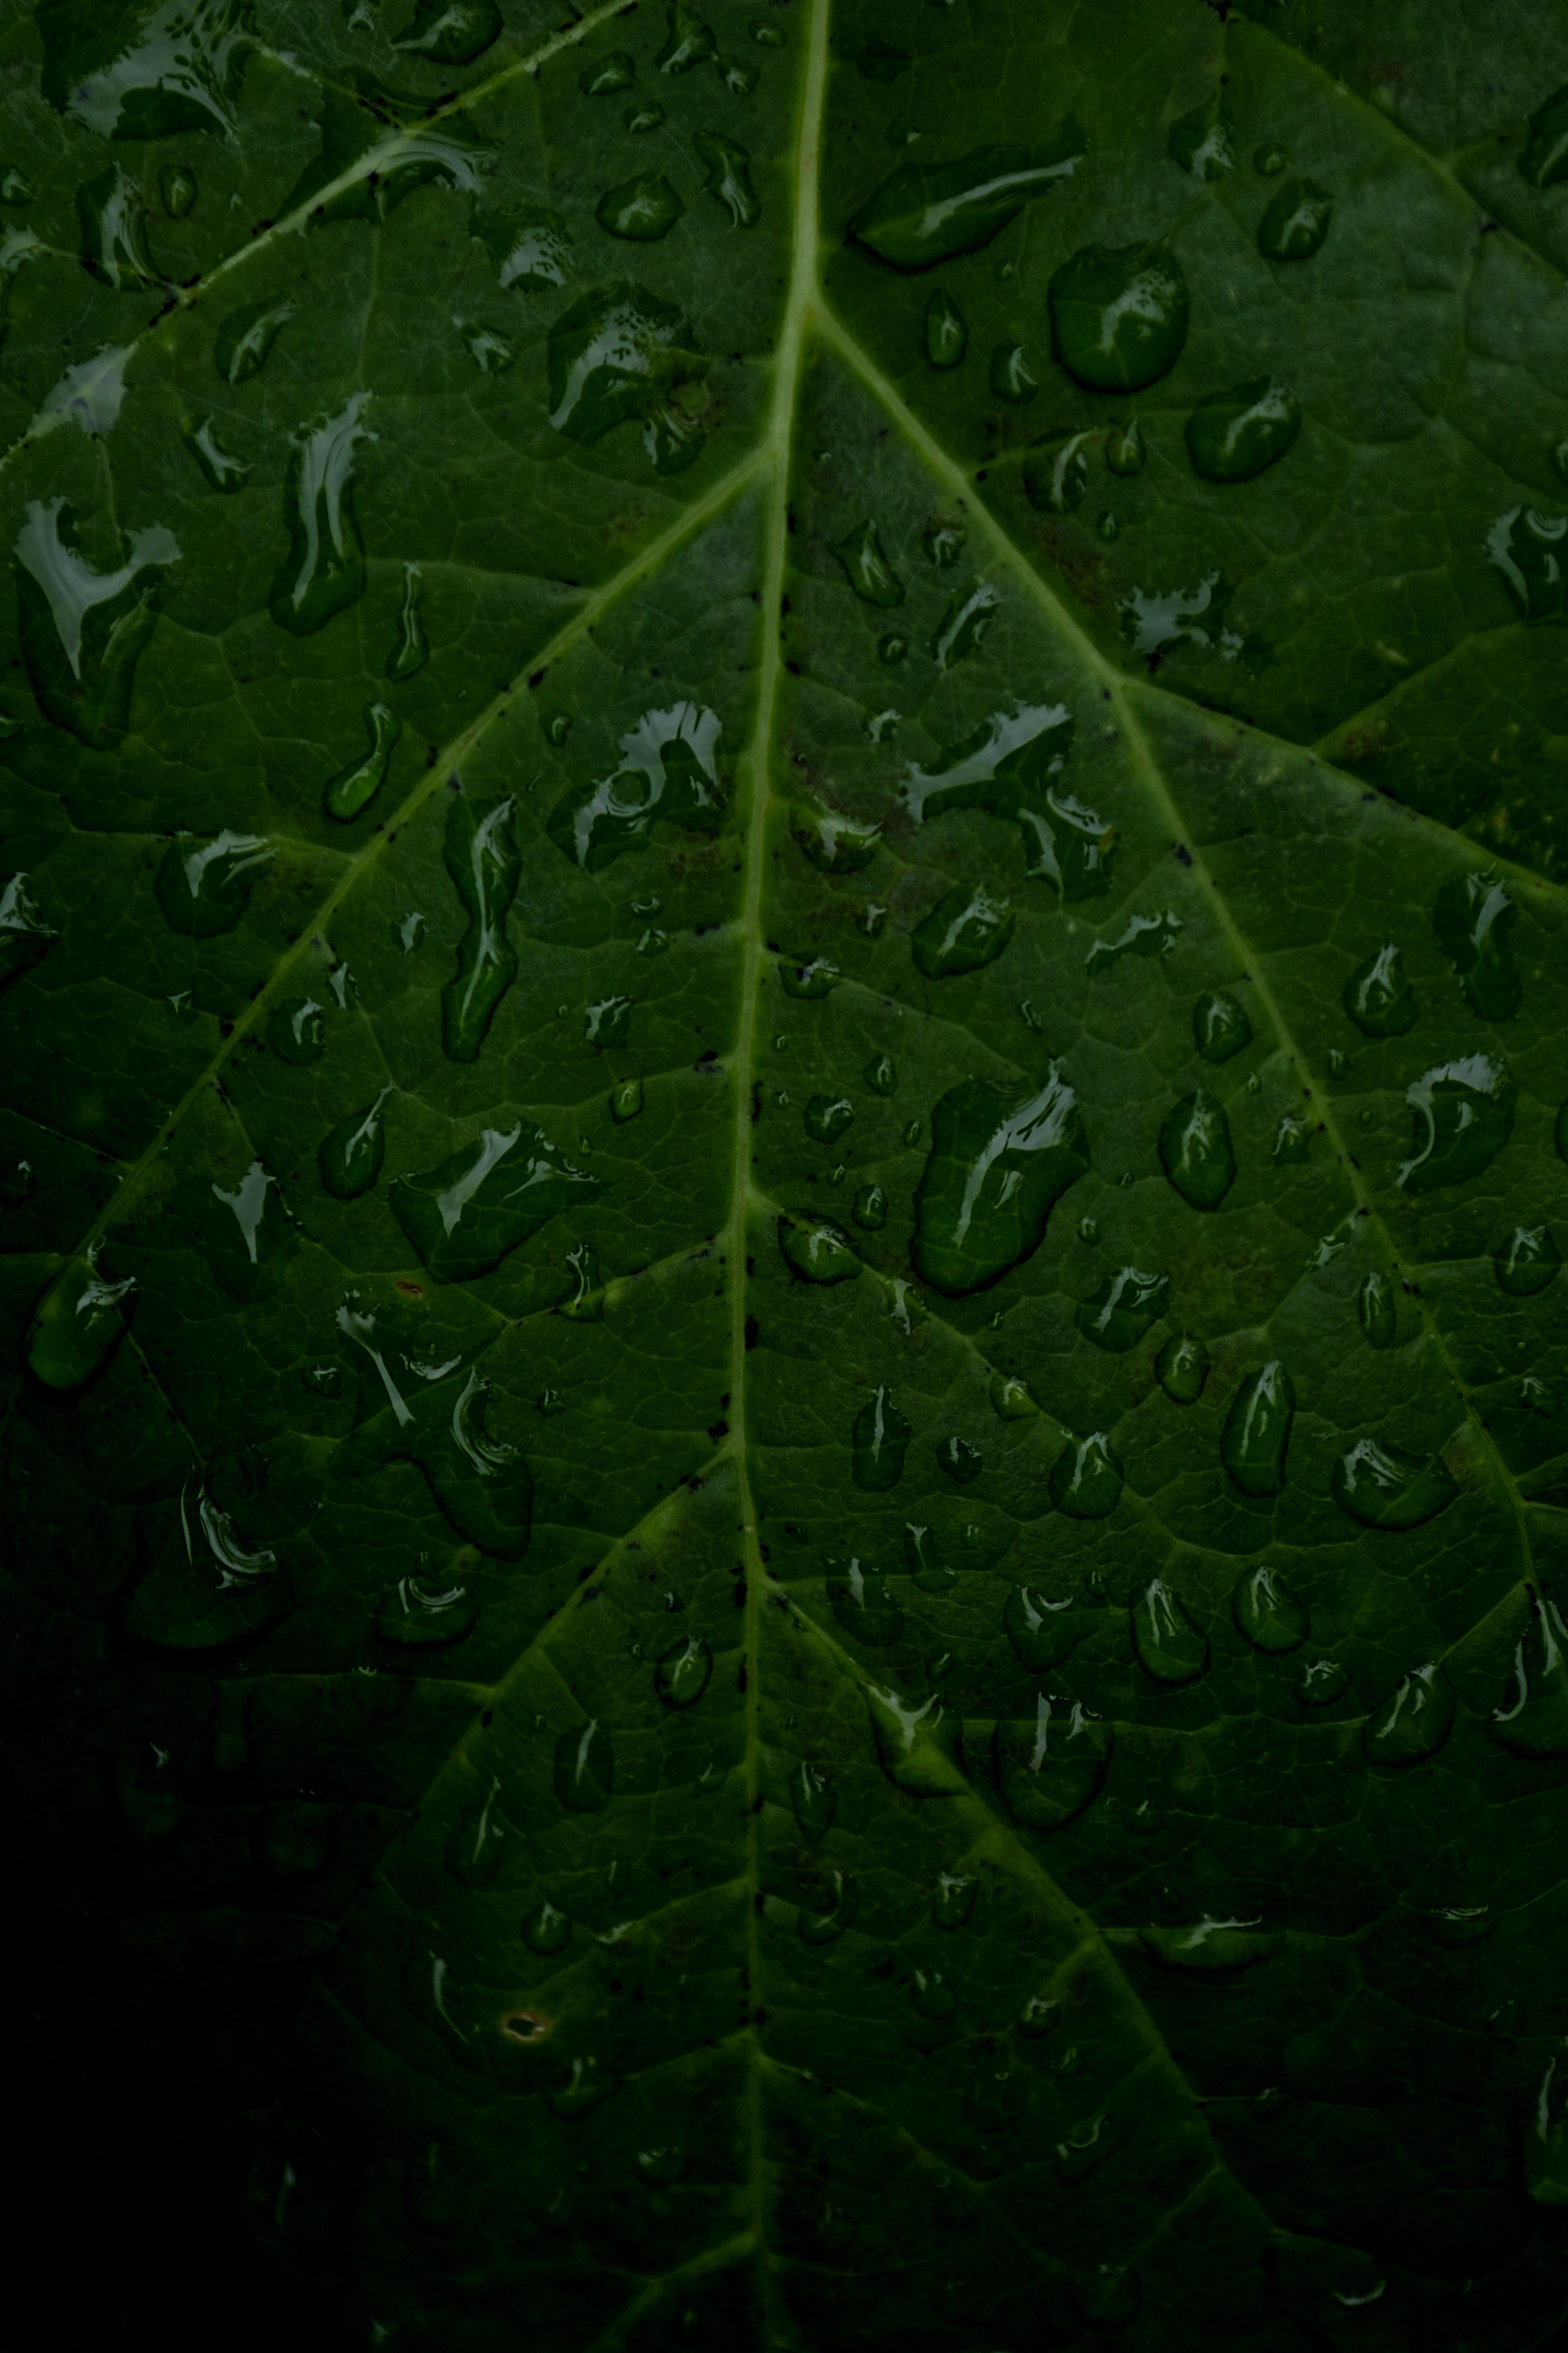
[754,811]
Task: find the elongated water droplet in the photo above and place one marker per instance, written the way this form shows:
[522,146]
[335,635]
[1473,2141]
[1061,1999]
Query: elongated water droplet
[585,1769]
[641,210]
[1118,315]
[1375,1307]
[585,1303]
[928,213]
[1528,1262]
[1144,935]
[423,1612]
[83,631]
[1377,996]
[1048,1771]
[1256,1430]
[1544,160]
[1087,1479]
[815,1799]
[927,1568]
[247,335]
[1383,1487]
[617,71]
[1181,1368]
[1464,1115]
[1211,1945]
[1203,141]
[668,772]
[223,471]
[681,1675]
[1232,436]
[728,176]
[114,231]
[464,1215]
[77,1326]
[323,572]
[1472,918]
[1119,1312]
[965,932]
[946,331]
[999,1161]
[1044,1633]
[879,1441]
[863,1605]
[350,1157]
[965,624]
[1220,1027]
[1320,1681]
[817,1249]
[412,650]
[344,795]
[1195,1150]
[1169,1645]
[451,32]
[1295,222]
[1533,1718]
[865,566]
[1267,1613]
[546,1930]
[1415,1720]
[480,854]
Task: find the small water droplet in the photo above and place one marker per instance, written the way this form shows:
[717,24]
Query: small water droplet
[626,1101]
[1268,158]
[690,42]
[419,1612]
[999,1161]
[1203,141]
[223,471]
[1544,160]
[879,1441]
[1290,1143]
[827,1116]
[1056,470]
[77,1326]
[926,1566]
[1210,1945]
[1011,378]
[771,36]
[474,1848]
[1464,1115]
[1119,1313]
[869,1207]
[344,795]
[1118,315]
[641,210]
[1086,1479]
[608,75]
[826,1927]
[728,176]
[1256,1430]
[960,1460]
[1144,936]
[1010,1399]
[1415,1720]
[1236,434]
[204,887]
[815,1799]
[1296,221]
[646,115]
[1320,1681]
[584,1768]
[585,1304]
[1196,1152]
[351,1155]
[943,543]
[912,1132]
[946,331]
[546,1930]
[966,624]
[1220,1027]
[1048,1771]
[1170,1647]
[451,32]
[817,1249]
[1267,1613]
[1533,1720]
[810,978]
[1472,919]
[965,931]
[952,1900]
[1181,1368]
[1377,996]
[680,1677]
[1044,1633]
[863,1604]
[1526,546]
[893,647]
[1107,526]
[1087,2145]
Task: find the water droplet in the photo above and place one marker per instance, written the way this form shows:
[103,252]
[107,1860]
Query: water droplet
[1383,1487]
[1220,1027]
[965,931]
[999,1161]
[1124,448]
[1118,315]
[1195,1150]
[868,572]
[946,331]
[1256,1430]
[1375,1306]
[585,1304]
[1320,1681]
[350,1157]
[879,1441]
[24,935]
[16,188]
[669,772]
[925,1562]
[1544,160]
[961,1461]
[817,1249]
[862,1604]
[585,1769]
[1087,2145]
[606,1021]
[952,1900]
[728,177]
[323,572]
[1119,1313]
[1290,1143]
[826,1927]
[912,1132]
[1415,1719]
[1472,918]
[1181,1368]
[1010,377]
[1049,1770]
[546,1930]
[1203,141]
[1533,1721]
[690,41]
[347,793]
[1211,1945]
[1044,1633]
[869,1208]
[771,36]
[893,647]
[1107,526]
[296,1031]
[1056,471]
[1377,996]
[1464,1115]
[79,1324]
[204,887]
[480,854]
[1169,1645]
[1296,222]
[943,543]
[1267,1613]
[1455,1926]
[645,116]
[1157,622]
[83,630]
[914,1744]
[16,1183]
[1086,1479]
[1010,1399]
[966,624]
[616,72]
[1088,1231]
[415,1613]
[464,1215]
[815,1799]
[451,32]
[491,352]
[1007,765]
[1268,158]
[642,210]
[223,471]
[1528,1262]
[1526,547]
[1144,935]
[618,354]
[927,213]
[1545,2136]
[114,232]
[1232,436]
[680,1677]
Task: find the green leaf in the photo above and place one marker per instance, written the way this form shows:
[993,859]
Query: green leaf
[784,936]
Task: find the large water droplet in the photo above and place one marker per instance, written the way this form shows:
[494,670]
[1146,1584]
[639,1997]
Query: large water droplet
[82,630]
[79,1324]
[869,574]
[546,1930]
[965,624]
[915,1745]
[1527,547]
[464,1215]
[1049,1770]
[879,1441]
[1383,1487]
[1203,141]
[204,887]
[668,772]
[1119,1312]
[223,471]
[1220,1027]
[946,331]
[1195,1150]
[1472,918]
[1296,222]
[999,1161]
[1533,1719]
[965,931]
[1544,160]
[1118,315]
[1232,436]
[1377,1311]
[927,1568]
[1415,1720]
[585,1769]
[451,32]
[863,1605]
[728,177]
[1464,1115]
[1087,1479]
[1043,1633]
[927,213]
[1169,1645]
[1256,1430]
[680,1676]
[1267,1613]
[323,572]
[641,210]
[618,354]
[815,1799]
[817,1249]
[1528,1262]
[417,1613]
[247,336]
[1377,996]
[1181,1368]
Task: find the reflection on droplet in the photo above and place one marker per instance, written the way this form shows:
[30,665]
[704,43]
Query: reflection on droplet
[323,572]
[1011,378]
[619,354]
[1168,1644]
[1010,1399]
[1118,315]
[952,1900]
[728,176]
[1415,1720]
[1233,435]
[928,213]
[1196,1152]
[1144,936]
[1528,1262]
[1086,1479]
[1527,547]
[78,1325]
[83,631]
[817,1249]
[626,1101]
[1267,1613]
[669,772]
[1296,221]
[826,1927]
[1544,160]
[1533,1719]
[999,1160]
[617,71]
[1377,996]
[946,331]
[1181,1368]
[868,572]
[965,931]
[642,210]
[1120,1310]
[1377,1311]
[546,1930]
[1256,1430]
[863,1604]
[879,1441]
[1056,471]
[1320,1681]
[418,1613]
[1464,1115]
[204,887]
[223,471]
[1203,141]
[1211,1945]
[1220,1027]
[681,1675]
[1383,1487]
[296,1031]
[344,795]
[1473,917]
[1044,1633]
[926,1566]
[1048,1771]
[1087,2145]
[350,1156]
[815,1799]
[584,1769]
[451,32]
